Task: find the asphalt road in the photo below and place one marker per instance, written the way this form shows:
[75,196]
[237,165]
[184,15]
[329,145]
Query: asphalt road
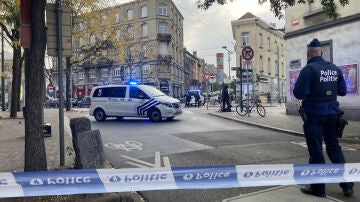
[196,139]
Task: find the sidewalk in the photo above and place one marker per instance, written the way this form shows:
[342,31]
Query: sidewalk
[12,144]
[276,119]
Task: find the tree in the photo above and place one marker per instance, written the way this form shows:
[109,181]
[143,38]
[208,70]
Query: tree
[10,23]
[82,13]
[35,154]
[278,7]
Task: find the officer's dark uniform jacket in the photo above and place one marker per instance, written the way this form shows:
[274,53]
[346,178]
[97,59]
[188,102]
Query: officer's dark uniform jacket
[318,85]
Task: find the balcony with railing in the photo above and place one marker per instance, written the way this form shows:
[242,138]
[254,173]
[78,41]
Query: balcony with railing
[164,37]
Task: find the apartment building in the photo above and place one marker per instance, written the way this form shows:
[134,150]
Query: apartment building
[268,64]
[339,41]
[141,40]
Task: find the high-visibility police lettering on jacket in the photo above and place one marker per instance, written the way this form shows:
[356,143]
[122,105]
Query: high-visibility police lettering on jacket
[326,82]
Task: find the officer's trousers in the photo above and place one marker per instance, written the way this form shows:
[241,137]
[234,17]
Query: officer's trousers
[316,128]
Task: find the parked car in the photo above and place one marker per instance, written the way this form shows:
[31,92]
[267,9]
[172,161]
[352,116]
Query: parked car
[84,102]
[75,101]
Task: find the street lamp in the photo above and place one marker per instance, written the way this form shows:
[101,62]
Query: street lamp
[229,52]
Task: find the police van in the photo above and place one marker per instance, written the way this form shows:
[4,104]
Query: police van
[132,101]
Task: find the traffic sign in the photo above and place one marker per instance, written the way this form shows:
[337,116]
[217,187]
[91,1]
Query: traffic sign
[207,76]
[212,77]
[247,53]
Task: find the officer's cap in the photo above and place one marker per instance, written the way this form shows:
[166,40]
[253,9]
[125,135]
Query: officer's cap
[314,43]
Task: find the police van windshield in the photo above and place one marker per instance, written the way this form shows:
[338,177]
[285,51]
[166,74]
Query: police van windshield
[151,91]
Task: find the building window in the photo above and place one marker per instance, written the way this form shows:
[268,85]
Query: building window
[81,27]
[276,68]
[130,14]
[282,70]
[276,46]
[103,19]
[163,48]
[130,31]
[81,75]
[92,39]
[146,69]
[261,64]
[117,71]
[105,73]
[260,40]
[163,28]
[117,35]
[245,37]
[143,12]
[269,66]
[268,44]
[162,10]
[145,30]
[117,17]
[104,35]
[92,74]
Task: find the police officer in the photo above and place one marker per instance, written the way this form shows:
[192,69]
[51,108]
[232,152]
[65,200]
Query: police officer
[318,85]
[225,99]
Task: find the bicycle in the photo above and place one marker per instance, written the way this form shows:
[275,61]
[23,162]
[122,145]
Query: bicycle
[247,108]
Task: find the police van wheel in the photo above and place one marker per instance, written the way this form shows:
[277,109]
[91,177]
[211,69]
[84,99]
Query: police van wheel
[100,115]
[155,115]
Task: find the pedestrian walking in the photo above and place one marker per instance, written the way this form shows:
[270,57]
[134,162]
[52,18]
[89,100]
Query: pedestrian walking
[226,106]
[188,99]
[197,99]
[318,85]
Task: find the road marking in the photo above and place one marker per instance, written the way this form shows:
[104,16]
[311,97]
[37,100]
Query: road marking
[303,144]
[127,146]
[143,164]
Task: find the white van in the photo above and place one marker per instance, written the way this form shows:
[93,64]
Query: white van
[132,101]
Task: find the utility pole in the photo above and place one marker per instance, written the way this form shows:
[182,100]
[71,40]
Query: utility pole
[229,59]
[60,81]
[2,71]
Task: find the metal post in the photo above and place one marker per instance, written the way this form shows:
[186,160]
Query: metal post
[229,52]
[2,72]
[247,83]
[278,72]
[60,81]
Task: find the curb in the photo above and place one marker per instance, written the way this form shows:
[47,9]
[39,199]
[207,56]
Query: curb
[295,133]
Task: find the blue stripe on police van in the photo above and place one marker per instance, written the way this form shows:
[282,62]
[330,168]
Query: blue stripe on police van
[9,187]
[59,182]
[147,105]
[265,175]
[134,179]
[320,173]
[205,177]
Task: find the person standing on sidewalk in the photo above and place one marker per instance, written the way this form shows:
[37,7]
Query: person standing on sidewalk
[318,85]
[225,99]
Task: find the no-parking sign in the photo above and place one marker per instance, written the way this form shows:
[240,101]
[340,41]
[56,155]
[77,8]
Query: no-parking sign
[247,53]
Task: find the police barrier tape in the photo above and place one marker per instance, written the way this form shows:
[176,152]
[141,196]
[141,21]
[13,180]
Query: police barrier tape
[23,184]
